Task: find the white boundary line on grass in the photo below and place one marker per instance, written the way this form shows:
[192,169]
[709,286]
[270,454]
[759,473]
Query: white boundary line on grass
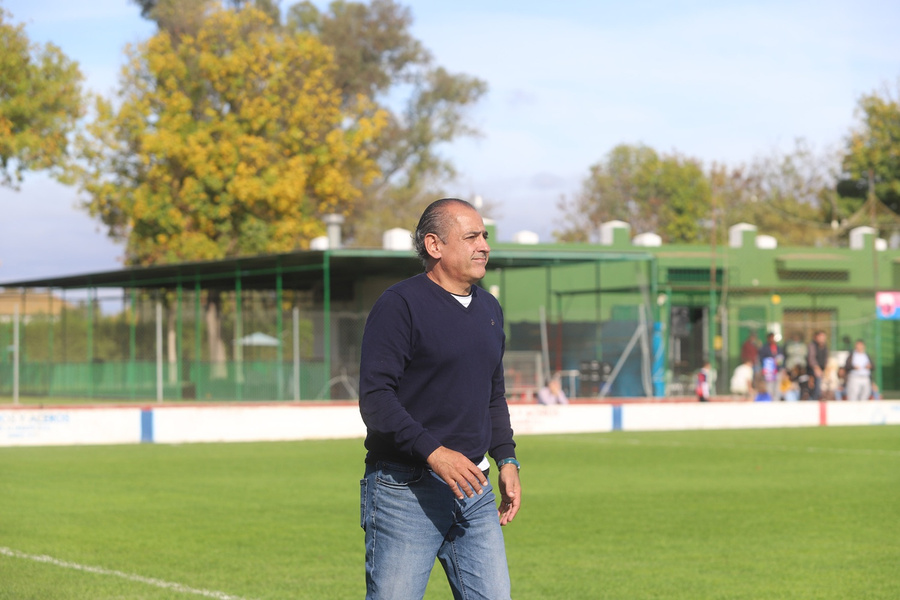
[101,571]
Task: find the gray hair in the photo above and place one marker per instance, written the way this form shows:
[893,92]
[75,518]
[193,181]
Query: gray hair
[434,220]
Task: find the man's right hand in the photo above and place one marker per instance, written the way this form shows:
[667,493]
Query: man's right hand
[461,474]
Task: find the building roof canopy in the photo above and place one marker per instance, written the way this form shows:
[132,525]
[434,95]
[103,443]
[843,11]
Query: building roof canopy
[299,270]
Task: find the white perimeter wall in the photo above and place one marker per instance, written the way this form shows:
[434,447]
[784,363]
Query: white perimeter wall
[243,423]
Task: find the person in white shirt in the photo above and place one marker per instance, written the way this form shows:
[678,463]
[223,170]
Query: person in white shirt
[742,380]
[858,371]
[552,393]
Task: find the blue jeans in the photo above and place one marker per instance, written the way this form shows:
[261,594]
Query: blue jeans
[411,517]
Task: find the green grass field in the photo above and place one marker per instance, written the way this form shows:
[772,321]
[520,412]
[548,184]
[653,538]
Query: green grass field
[757,514]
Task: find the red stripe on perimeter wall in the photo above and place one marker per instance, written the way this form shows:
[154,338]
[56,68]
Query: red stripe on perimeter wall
[823,414]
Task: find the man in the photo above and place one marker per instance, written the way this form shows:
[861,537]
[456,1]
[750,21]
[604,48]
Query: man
[816,359]
[771,360]
[432,396]
[552,393]
[749,349]
[858,373]
[742,380]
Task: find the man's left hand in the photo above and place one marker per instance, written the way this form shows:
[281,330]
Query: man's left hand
[510,493]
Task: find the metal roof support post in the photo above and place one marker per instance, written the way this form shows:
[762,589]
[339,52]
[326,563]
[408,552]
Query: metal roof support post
[196,375]
[279,324]
[326,266]
[159,350]
[179,294]
[16,353]
[295,326]
[63,321]
[711,325]
[878,357]
[559,332]
[598,281]
[548,318]
[50,344]
[132,343]
[90,340]
[24,343]
[238,334]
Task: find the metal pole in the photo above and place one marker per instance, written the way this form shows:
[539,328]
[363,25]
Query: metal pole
[545,344]
[50,327]
[90,340]
[326,260]
[16,354]
[196,374]
[872,199]
[295,316]
[279,324]
[179,295]
[238,334]
[132,345]
[159,351]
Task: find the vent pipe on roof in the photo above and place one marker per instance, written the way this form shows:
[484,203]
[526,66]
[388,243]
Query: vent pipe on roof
[397,239]
[333,224]
[526,237]
[613,232]
[766,242]
[736,234]
[647,240]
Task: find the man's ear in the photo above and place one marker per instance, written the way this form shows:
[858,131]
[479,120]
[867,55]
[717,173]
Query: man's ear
[432,245]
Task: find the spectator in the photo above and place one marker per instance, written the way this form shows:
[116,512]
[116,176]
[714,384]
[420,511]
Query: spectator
[704,379]
[831,380]
[771,359]
[816,360]
[795,352]
[552,393]
[742,380]
[858,371]
[750,350]
[762,393]
[790,390]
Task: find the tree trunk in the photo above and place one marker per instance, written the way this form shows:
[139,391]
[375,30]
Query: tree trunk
[217,358]
[172,343]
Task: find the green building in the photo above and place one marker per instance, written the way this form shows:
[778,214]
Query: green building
[627,317]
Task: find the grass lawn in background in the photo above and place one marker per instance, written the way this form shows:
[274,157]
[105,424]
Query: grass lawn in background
[750,514]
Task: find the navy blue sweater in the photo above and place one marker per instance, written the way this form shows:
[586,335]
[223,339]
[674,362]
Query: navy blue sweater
[431,374]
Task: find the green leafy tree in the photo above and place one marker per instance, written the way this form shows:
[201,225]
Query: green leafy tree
[667,195]
[872,153]
[40,103]
[790,196]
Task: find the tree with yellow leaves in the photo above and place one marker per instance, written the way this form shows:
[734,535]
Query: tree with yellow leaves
[40,102]
[231,140]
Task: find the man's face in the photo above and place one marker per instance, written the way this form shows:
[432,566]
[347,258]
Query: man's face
[464,251]
[820,339]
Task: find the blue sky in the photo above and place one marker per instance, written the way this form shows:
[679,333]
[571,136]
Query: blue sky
[716,80]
